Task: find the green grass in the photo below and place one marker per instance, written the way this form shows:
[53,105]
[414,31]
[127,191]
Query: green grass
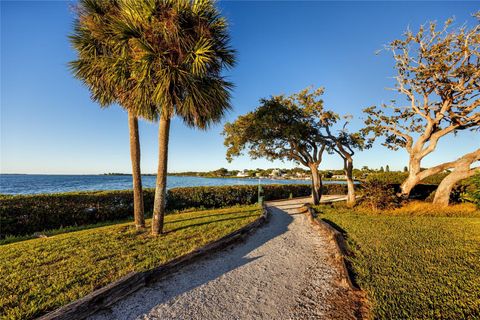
[413,267]
[42,274]
[53,232]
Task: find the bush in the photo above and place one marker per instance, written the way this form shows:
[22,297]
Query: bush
[472,190]
[26,214]
[216,197]
[377,195]
[456,196]
[399,177]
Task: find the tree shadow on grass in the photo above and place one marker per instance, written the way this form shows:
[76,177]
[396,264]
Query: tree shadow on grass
[336,226]
[205,223]
[211,215]
[198,273]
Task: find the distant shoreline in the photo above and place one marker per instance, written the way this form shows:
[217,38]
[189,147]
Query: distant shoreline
[169,174]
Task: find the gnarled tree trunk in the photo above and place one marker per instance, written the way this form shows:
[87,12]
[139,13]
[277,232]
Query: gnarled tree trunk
[461,171]
[138,210]
[160,201]
[413,177]
[316,184]
[348,168]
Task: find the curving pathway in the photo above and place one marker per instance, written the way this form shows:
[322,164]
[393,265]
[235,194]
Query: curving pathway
[284,270]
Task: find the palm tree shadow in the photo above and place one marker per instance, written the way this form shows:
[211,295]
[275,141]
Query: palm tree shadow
[205,223]
[201,271]
[243,213]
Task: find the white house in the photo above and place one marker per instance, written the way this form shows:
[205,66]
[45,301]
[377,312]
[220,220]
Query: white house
[242,174]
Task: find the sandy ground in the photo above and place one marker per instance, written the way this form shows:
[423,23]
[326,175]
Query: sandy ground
[284,270]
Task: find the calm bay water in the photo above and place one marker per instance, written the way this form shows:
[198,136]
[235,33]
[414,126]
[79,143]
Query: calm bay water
[32,184]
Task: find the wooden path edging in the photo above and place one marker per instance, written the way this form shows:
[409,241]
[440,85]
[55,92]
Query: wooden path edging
[337,238]
[362,304]
[115,291]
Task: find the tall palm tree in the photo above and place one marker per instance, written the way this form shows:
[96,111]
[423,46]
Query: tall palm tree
[104,70]
[176,51]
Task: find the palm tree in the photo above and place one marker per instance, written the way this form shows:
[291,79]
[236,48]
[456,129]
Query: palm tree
[104,70]
[176,51]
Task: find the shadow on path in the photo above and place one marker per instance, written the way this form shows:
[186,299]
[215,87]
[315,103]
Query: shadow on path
[200,272]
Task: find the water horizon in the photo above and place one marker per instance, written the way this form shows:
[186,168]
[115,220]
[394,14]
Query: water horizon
[18,184]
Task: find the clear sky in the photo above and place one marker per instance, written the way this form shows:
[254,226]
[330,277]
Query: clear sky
[50,125]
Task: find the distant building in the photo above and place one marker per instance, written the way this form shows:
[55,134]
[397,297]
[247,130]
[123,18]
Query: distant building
[275,173]
[339,177]
[242,174]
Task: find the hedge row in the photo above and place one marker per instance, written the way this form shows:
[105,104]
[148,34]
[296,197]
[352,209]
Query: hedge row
[398,177]
[27,214]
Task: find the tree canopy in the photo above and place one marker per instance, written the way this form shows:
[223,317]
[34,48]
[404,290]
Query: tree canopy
[277,129]
[296,128]
[438,72]
[166,55]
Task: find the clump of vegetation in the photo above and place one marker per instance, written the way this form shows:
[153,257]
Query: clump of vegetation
[414,267]
[472,192]
[396,177]
[39,275]
[376,195]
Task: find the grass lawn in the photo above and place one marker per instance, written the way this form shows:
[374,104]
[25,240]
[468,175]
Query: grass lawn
[42,274]
[414,267]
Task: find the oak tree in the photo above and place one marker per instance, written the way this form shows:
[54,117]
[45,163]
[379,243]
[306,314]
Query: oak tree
[438,72]
[295,128]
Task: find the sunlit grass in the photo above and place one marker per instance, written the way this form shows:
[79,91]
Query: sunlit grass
[421,208]
[413,266]
[42,274]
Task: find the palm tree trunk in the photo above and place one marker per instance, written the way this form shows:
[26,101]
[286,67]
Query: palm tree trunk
[160,201]
[316,185]
[138,210]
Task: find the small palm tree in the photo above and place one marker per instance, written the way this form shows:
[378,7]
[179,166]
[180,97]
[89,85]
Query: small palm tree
[105,71]
[176,51]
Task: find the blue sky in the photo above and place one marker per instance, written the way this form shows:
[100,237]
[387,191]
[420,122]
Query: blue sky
[50,125]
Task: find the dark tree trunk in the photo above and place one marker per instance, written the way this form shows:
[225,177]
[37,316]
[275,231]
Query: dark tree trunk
[350,184]
[316,184]
[138,210]
[160,201]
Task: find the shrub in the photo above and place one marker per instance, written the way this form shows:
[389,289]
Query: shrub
[456,196]
[420,191]
[387,177]
[472,190]
[399,177]
[215,197]
[26,214]
[377,195]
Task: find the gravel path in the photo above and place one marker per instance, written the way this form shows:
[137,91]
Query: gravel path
[283,270]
